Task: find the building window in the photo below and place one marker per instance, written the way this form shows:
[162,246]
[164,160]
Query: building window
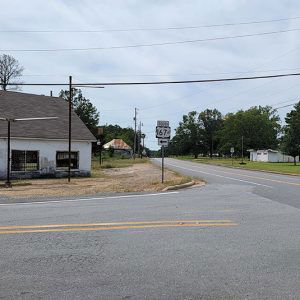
[62,160]
[22,160]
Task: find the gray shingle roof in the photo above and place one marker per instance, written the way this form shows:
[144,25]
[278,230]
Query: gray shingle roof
[21,105]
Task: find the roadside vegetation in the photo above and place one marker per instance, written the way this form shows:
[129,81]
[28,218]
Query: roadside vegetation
[211,134]
[287,168]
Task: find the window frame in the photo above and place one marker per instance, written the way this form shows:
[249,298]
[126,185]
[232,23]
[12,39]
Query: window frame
[66,167]
[25,160]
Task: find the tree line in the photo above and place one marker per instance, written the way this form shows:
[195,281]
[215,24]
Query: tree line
[209,133]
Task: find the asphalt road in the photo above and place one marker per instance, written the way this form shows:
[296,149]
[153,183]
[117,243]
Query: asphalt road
[238,237]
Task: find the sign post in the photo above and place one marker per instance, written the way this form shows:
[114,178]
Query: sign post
[162,163]
[232,151]
[163,134]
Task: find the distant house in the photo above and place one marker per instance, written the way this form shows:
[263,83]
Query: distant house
[119,146]
[270,155]
[40,148]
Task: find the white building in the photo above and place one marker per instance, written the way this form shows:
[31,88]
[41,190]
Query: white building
[270,155]
[40,148]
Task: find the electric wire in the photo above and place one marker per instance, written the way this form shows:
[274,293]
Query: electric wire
[161,82]
[149,29]
[154,44]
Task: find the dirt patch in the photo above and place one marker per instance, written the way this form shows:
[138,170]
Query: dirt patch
[137,178]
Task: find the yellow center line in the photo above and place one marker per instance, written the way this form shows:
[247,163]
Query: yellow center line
[119,228]
[112,224]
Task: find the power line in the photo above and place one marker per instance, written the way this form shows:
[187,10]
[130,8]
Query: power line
[153,44]
[150,29]
[240,73]
[167,75]
[160,82]
[224,99]
[285,106]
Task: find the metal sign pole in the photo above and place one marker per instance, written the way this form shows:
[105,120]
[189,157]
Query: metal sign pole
[162,163]
[8,183]
[163,133]
[134,142]
[242,149]
[70,127]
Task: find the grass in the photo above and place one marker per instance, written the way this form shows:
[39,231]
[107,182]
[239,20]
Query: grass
[288,168]
[112,162]
[183,180]
[16,182]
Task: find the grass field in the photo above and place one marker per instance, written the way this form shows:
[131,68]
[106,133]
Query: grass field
[287,168]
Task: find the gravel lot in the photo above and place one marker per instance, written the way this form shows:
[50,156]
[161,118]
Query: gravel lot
[143,177]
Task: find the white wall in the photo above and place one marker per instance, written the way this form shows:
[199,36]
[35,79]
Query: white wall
[267,156]
[253,156]
[47,152]
[273,157]
[262,156]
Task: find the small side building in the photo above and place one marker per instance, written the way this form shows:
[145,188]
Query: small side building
[269,155]
[40,148]
[120,147]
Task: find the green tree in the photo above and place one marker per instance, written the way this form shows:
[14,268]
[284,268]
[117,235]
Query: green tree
[117,132]
[291,138]
[83,107]
[189,135]
[259,126]
[211,122]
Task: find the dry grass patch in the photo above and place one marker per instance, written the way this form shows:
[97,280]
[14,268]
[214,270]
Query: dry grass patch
[141,177]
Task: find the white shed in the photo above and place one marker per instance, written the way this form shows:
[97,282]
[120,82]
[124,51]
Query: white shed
[269,155]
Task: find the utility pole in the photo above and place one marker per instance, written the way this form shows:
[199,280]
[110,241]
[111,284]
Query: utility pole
[70,127]
[139,139]
[134,142]
[143,137]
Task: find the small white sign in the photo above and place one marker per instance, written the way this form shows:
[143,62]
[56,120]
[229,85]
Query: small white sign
[163,123]
[231,150]
[163,142]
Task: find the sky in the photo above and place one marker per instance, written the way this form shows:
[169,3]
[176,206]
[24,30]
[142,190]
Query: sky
[119,23]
